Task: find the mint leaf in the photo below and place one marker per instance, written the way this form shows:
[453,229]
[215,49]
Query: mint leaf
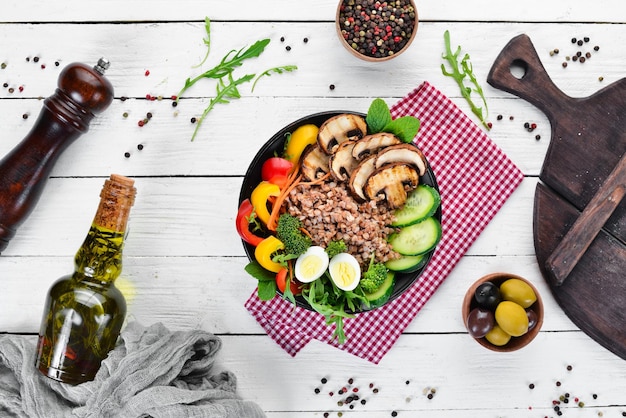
[405,128]
[255,270]
[267,280]
[266,290]
[378,116]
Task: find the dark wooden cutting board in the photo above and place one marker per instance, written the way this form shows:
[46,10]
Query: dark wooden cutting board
[588,139]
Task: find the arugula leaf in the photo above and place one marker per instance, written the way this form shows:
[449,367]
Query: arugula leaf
[282,259]
[327,299]
[207,41]
[225,93]
[277,70]
[232,60]
[288,294]
[459,74]
[228,64]
[378,116]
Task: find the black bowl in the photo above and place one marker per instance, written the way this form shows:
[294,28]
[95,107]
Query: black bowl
[275,146]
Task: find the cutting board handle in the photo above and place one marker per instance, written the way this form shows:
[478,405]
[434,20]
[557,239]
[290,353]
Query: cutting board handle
[579,237]
[534,85]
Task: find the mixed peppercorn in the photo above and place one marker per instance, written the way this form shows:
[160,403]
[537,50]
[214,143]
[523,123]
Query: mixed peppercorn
[377,29]
[580,55]
[352,395]
[348,393]
[563,400]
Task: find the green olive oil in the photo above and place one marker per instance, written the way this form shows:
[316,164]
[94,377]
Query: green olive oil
[84,311]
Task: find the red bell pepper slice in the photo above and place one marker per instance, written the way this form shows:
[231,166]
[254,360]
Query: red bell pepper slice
[243,223]
[275,166]
[281,282]
[279,180]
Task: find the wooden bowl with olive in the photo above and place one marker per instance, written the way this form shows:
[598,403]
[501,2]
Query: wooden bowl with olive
[503,312]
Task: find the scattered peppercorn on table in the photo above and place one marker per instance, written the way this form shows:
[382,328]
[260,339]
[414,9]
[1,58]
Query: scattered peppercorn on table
[183,259]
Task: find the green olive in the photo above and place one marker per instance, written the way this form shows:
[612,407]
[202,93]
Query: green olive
[518,291]
[512,318]
[497,336]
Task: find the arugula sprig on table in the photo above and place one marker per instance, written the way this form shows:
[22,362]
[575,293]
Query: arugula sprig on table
[207,42]
[225,93]
[227,90]
[277,70]
[228,64]
[459,70]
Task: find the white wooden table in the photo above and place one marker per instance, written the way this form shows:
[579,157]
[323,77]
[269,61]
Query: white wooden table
[183,259]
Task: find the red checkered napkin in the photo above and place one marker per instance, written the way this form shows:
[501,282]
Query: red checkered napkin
[475,179]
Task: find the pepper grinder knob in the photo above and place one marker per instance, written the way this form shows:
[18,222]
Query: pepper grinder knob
[82,92]
[102,65]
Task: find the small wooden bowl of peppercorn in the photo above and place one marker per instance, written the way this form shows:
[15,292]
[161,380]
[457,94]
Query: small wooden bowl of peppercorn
[376,30]
[502,312]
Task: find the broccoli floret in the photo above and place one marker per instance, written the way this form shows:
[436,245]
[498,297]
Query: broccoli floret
[289,233]
[336,247]
[374,277]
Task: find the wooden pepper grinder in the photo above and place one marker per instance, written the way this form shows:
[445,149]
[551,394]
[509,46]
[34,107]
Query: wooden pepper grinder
[82,92]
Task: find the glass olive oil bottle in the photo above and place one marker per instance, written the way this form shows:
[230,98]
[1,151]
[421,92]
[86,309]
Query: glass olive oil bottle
[84,312]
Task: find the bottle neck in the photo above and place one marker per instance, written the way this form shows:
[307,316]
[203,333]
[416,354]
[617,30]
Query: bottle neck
[100,257]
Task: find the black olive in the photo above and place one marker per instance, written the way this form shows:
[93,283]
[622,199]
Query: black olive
[488,295]
[479,322]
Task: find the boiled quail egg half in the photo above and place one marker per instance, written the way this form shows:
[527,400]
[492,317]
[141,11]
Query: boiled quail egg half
[311,265]
[345,271]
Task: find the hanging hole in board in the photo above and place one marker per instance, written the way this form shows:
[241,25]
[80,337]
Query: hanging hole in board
[518,69]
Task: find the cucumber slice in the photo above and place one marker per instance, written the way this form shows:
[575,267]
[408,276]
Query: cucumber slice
[407,263]
[421,203]
[418,238]
[379,297]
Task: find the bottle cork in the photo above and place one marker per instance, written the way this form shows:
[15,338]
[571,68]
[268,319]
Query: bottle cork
[116,199]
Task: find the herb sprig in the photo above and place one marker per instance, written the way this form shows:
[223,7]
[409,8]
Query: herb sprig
[277,70]
[207,42]
[228,90]
[225,93]
[266,289]
[459,70]
[379,120]
[228,64]
[327,299]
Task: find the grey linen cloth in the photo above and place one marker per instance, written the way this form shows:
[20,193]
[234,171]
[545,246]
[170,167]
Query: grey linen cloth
[152,372]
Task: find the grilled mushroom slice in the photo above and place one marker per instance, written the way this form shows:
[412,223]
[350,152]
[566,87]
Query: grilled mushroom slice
[402,153]
[359,177]
[370,144]
[314,162]
[339,129]
[392,181]
[341,163]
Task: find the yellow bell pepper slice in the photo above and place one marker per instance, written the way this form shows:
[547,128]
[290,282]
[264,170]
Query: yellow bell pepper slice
[303,135]
[264,251]
[259,197]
